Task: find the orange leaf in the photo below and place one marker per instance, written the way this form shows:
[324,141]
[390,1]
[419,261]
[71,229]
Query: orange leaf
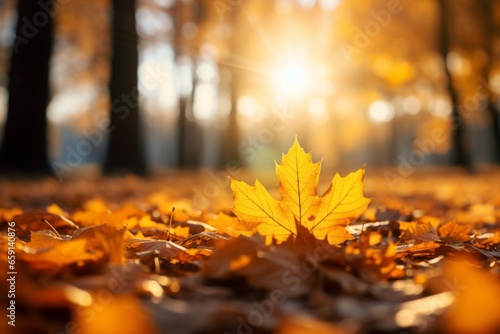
[454,233]
[60,255]
[105,237]
[121,314]
[476,306]
[34,220]
[300,208]
[230,226]
[490,241]
[9,214]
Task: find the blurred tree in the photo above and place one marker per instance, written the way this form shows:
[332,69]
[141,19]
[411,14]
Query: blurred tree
[125,148]
[486,12]
[461,156]
[179,15]
[229,146]
[186,17]
[24,146]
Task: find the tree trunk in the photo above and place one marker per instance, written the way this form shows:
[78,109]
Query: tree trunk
[230,148]
[181,134]
[177,14]
[182,14]
[24,146]
[460,152]
[125,148]
[489,28]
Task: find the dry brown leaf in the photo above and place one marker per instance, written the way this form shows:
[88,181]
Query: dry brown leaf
[277,267]
[44,239]
[160,248]
[414,232]
[36,220]
[490,241]
[371,262]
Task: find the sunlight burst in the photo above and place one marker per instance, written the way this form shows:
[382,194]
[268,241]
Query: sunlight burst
[290,80]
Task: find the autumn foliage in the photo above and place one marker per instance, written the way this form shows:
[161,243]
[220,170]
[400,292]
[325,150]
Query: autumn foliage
[330,263]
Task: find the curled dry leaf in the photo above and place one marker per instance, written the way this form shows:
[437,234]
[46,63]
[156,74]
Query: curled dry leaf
[415,232]
[45,239]
[160,248]
[36,220]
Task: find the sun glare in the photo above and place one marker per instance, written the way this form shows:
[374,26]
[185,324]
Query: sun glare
[290,79]
[381,111]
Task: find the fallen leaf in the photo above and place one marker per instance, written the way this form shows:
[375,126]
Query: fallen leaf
[201,239]
[323,217]
[120,314]
[94,214]
[276,267]
[477,214]
[414,232]
[369,261]
[44,239]
[476,306]
[96,205]
[36,220]
[230,226]
[7,215]
[160,248]
[435,221]
[454,233]
[60,255]
[56,209]
[492,240]
[107,238]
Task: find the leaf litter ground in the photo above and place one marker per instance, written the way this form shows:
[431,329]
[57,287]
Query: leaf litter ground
[105,255]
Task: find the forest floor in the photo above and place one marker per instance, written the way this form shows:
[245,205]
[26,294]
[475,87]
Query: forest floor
[109,255]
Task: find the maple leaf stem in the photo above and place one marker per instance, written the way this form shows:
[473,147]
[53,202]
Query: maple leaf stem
[298,191]
[170,224]
[52,228]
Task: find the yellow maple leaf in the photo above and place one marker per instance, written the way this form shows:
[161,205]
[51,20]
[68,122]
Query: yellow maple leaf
[300,208]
